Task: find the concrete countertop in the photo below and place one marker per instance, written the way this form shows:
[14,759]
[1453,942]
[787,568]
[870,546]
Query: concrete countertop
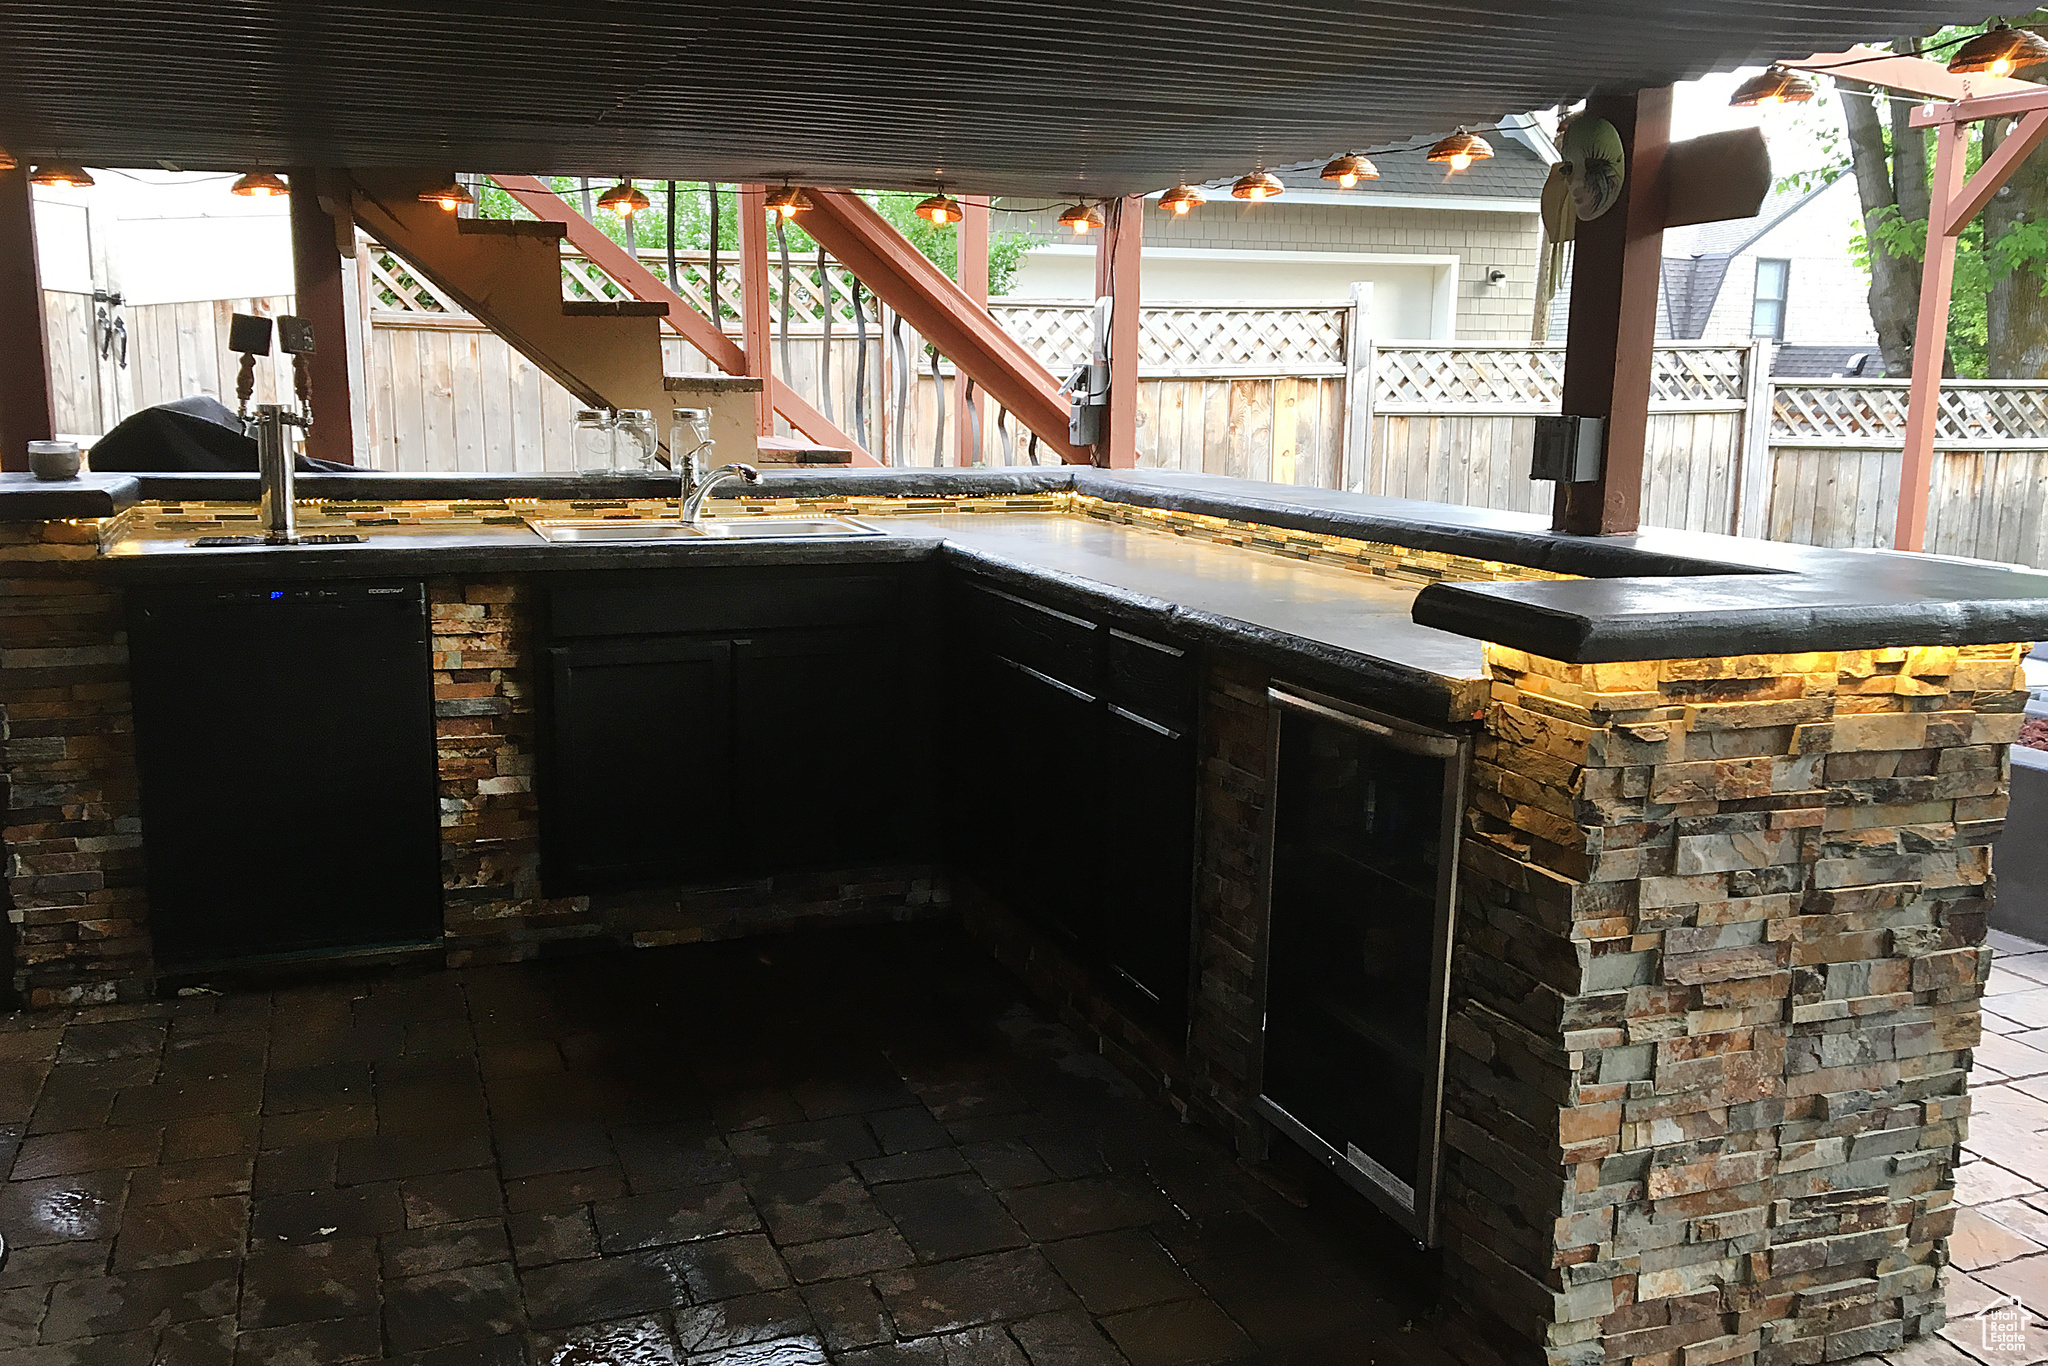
[1345,630]
[1653,595]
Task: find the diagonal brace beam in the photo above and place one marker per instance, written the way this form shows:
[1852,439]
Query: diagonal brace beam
[683,316]
[1992,175]
[1002,367]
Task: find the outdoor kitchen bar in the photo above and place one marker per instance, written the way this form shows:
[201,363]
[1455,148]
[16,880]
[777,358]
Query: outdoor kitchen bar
[1701,983]
[1600,910]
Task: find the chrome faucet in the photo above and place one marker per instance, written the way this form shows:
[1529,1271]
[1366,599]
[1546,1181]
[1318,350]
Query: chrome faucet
[697,423]
[693,506]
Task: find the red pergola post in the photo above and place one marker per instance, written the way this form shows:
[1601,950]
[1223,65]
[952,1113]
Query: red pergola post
[1954,201]
[972,273]
[1117,258]
[322,300]
[27,406]
[755,310]
[1610,347]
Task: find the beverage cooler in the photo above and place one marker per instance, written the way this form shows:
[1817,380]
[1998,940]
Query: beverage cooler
[1360,892]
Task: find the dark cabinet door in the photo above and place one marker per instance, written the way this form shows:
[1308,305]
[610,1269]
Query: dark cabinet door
[1050,814]
[1147,869]
[640,783]
[287,753]
[819,739]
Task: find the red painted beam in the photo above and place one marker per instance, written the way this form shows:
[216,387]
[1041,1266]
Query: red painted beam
[683,317]
[27,408]
[755,308]
[1612,336]
[1003,368]
[972,272]
[322,301]
[1930,337]
[1117,258]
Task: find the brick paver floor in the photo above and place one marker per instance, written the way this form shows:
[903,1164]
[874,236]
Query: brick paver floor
[848,1147]
[853,1146]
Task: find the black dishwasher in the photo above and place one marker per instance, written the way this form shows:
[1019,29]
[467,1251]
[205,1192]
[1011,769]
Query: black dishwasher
[1361,885]
[285,737]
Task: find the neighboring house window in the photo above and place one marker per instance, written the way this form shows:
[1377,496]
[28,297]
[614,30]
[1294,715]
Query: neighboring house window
[1767,314]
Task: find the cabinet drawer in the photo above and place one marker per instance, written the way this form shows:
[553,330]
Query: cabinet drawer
[726,600]
[1043,638]
[1154,681]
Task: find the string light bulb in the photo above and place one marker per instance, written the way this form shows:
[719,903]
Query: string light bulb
[940,208]
[1460,150]
[450,195]
[1348,170]
[788,201]
[1080,219]
[61,175]
[624,199]
[1999,51]
[1181,199]
[1258,187]
[259,185]
[1777,85]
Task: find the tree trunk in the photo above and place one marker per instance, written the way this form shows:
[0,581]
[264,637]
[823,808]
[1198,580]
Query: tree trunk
[2015,314]
[1894,280]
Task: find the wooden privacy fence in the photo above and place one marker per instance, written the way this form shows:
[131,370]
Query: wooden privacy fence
[1294,393]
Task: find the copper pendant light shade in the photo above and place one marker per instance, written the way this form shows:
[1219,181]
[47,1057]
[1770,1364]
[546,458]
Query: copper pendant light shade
[1349,170]
[7,161]
[451,195]
[624,199]
[259,185]
[1999,52]
[1080,219]
[1778,85]
[1460,150]
[1181,199]
[941,209]
[61,175]
[788,201]
[1257,187]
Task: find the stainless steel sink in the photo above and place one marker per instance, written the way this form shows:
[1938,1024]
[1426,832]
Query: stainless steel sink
[619,532]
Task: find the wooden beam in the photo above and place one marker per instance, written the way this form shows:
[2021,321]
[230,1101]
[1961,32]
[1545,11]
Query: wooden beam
[2010,105]
[683,318]
[1118,256]
[322,300]
[1994,172]
[27,403]
[930,301]
[754,303]
[1610,344]
[1930,339]
[972,273]
[1907,73]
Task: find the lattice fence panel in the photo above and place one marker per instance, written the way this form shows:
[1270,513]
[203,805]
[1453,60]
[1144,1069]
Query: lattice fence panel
[1192,340]
[1530,379]
[1875,412]
[394,286]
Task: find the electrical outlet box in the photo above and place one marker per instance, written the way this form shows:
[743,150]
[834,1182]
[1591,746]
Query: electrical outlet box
[295,335]
[1568,448]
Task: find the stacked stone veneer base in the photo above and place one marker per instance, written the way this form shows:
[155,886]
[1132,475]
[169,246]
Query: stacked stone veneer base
[1715,991]
[73,824]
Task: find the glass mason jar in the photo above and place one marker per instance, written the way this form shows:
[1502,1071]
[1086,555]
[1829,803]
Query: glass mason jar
[635,441]
[689,437]
[592,442]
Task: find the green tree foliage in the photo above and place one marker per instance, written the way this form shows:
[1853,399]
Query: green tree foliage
[2017,249]
[692,208]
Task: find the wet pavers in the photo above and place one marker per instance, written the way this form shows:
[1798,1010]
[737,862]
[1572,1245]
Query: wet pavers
[858,1146]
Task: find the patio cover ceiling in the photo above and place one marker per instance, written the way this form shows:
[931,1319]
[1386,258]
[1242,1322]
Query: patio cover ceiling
[1050,97]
